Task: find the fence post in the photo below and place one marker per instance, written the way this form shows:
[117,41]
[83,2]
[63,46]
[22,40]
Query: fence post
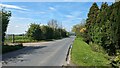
[23,38]
[13,39]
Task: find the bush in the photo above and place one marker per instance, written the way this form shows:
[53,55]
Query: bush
[97,48]
[34,32]
[47,32]
[37,32]
[116,62]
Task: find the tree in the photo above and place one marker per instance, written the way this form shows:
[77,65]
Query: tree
[58,32]
[78,27]
[91,21]
[47,32]
[34,32]
[64,33]
[103,27]
[5,20]
[53,23]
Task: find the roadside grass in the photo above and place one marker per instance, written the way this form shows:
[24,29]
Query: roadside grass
[10,48]
[83,55]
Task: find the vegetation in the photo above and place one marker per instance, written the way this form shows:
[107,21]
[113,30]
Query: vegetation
[5,20]
[34,32]
[8,48]
[37,33]
[83,55]
[17,39]
[46,32]
[102,28]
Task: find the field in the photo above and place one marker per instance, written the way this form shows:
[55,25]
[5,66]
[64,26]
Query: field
[22,39]
[18,39]
[83,55]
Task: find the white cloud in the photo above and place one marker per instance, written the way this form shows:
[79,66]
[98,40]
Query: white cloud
[20,18]
[31,12]
[69,16]
[52,8]
[16,26]
[79,18]
[12,6]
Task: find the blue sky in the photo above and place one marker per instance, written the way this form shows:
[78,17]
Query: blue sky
[24,13]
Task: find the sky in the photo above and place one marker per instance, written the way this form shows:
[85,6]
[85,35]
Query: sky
[25,13]
[57,0]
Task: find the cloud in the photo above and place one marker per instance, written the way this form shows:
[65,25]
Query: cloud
[19,25]
[52,8]
[31,12]
[21,18]
[12,6]
[79,18]
[69,16]
[16,26]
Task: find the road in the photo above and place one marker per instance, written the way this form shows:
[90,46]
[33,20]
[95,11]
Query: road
[52,53]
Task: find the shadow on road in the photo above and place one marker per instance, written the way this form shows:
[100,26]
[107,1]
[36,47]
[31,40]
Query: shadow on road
[19,53]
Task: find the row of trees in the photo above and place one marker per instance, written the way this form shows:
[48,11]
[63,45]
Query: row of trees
[103,26]
[46,32]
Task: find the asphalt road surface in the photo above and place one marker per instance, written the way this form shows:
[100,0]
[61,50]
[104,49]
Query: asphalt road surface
[52,53]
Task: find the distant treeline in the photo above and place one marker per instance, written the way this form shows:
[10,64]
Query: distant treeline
[45,32]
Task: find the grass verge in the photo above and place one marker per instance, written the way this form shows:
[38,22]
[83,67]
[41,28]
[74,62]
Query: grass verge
[8,48]
[83,55]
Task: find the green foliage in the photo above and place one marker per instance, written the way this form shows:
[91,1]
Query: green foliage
[97,48]
[103,30]
[91,21]
[5,20]
[116,62]
[46,32]
[76,28]
[64,33]
[34,32]
[103,26]
[56,34]
[17,39]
